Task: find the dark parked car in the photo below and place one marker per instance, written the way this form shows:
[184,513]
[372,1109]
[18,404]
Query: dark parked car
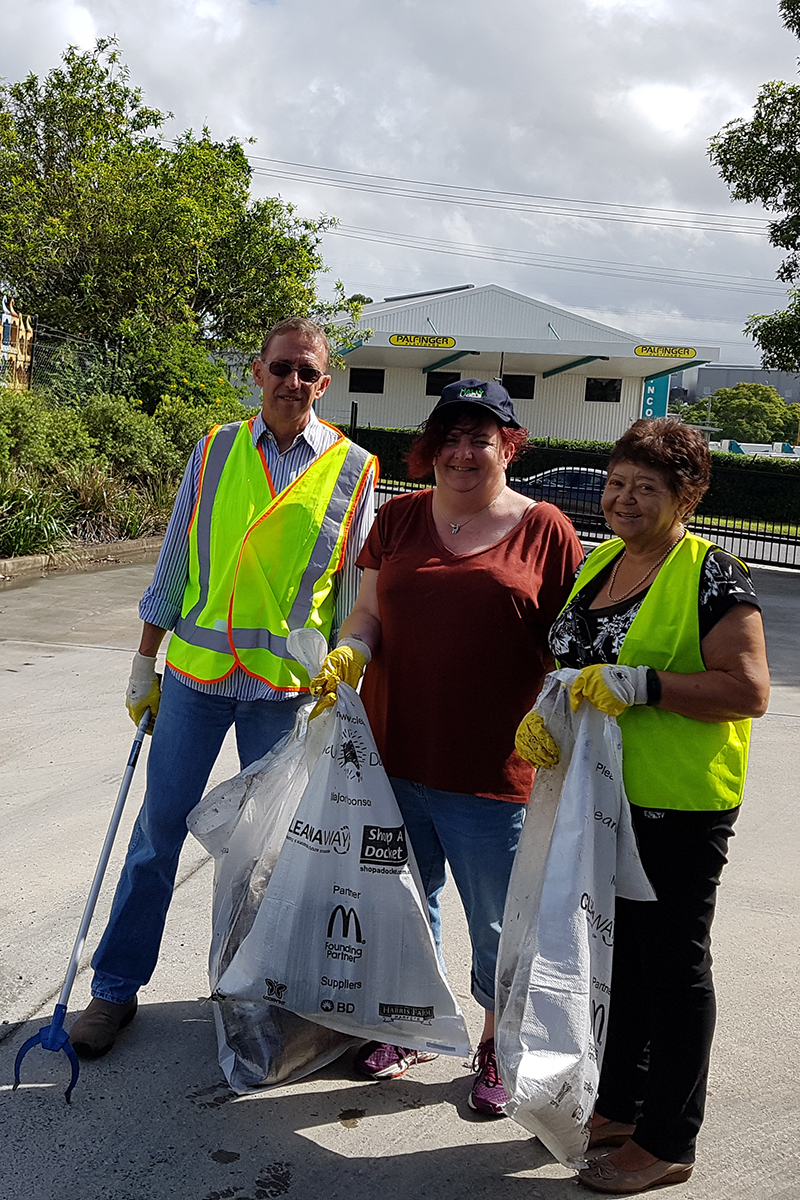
[575,490]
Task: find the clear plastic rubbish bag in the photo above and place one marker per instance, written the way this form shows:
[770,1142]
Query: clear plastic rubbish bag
[342,934]
[242,823]
[576,854]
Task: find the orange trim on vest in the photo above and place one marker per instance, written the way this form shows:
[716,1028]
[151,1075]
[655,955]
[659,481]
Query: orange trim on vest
[263,458]
[352,511]
[178,671]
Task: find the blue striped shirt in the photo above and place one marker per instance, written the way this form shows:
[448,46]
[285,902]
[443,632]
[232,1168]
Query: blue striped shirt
[162,601]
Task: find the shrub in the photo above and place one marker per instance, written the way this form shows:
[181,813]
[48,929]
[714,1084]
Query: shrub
[102,507]
[37,434]
[31,517]
[127,439]
[184,424]
[174,363]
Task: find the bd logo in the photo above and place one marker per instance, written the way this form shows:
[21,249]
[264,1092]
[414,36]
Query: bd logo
[327,1006]
[382,845]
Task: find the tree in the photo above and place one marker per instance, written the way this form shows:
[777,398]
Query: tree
[107,230]
[749,412]
[759,160]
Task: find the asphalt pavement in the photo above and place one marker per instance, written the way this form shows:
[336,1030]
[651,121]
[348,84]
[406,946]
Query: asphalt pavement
[155,1118]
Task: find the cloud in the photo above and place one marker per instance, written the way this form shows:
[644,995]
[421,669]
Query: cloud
[601,100]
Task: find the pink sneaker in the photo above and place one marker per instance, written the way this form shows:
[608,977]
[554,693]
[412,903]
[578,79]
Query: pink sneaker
[379,1060]
[488,1094]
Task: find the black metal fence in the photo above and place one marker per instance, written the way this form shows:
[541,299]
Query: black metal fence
[753,539]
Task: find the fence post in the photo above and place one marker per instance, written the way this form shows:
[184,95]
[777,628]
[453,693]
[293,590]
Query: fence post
[34,341]
[353,420]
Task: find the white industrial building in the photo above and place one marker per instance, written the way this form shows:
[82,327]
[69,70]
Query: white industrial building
[569,377]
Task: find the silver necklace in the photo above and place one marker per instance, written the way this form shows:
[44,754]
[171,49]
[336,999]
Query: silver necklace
[459,525]
[632,591]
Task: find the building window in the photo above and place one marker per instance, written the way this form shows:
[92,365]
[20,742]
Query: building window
[519,387]
[604,391]
[437,381]
[367,379]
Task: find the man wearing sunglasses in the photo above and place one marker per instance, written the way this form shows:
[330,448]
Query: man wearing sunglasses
[267,525]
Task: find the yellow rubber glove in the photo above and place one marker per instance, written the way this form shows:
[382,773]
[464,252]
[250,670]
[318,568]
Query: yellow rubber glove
[534,743]
[144,690]
[610,688]
[345,664]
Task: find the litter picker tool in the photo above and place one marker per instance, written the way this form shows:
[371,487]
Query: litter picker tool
[52,1036]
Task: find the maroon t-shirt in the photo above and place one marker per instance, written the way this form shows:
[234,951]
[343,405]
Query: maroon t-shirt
[464,644]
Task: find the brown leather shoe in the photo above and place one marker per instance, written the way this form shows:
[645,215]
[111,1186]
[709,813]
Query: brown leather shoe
[611,1133]
[95,1031]
[603,1176]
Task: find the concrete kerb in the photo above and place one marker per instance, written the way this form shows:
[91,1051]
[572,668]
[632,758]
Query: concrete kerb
[78,558]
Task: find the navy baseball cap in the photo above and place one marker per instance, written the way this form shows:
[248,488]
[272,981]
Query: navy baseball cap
[486,394]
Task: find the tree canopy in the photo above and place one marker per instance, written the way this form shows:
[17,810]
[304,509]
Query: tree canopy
[759,159]
[749,412]
[109,230]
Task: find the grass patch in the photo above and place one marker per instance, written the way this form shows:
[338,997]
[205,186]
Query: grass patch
[86,503]
[31,517]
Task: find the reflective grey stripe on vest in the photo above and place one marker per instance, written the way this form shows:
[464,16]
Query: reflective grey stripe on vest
[245,639]
[328,535]
[216,459]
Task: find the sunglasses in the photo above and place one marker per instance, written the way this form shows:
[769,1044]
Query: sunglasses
[304,374]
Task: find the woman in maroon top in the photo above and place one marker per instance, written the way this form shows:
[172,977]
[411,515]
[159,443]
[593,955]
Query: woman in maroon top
[461,584]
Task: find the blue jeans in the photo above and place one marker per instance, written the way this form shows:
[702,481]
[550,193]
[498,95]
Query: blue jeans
[187,738]
[478,837]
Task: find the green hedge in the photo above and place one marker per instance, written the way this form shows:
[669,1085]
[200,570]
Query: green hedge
[390,445]
[753,488]
[97,469]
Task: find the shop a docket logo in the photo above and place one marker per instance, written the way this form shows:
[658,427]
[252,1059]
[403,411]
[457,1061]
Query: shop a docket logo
[380,844]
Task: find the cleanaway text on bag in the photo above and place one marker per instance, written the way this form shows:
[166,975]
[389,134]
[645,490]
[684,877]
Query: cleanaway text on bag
[342,936]
[576,854]
[243,823]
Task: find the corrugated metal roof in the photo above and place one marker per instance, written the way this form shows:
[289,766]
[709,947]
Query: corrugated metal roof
[488,311]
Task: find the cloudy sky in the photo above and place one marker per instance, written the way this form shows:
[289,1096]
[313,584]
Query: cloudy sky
[555,147]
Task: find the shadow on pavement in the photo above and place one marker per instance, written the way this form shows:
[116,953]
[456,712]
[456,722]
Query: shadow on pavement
[156,1119]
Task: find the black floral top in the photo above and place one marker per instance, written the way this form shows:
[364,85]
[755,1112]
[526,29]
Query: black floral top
[581,636]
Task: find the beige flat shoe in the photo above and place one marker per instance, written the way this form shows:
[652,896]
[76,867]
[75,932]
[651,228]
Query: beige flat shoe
[613,1133]
[603,1176]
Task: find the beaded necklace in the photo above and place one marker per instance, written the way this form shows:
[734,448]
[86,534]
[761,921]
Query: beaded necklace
[636,586]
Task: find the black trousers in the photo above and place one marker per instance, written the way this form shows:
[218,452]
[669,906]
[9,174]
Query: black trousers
[663,1009]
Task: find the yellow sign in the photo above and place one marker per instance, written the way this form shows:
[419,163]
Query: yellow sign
[422,340]
[665,352]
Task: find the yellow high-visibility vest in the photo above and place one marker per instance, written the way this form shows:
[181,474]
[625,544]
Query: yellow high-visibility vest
[262,563]
[670,761]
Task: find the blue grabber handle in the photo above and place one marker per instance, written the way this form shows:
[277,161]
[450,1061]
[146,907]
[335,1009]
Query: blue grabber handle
[52,1036]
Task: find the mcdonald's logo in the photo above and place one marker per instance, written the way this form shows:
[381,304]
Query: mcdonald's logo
[346,916]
